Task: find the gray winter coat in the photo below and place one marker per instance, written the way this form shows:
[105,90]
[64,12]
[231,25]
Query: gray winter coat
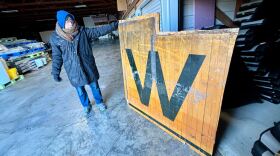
[77,55]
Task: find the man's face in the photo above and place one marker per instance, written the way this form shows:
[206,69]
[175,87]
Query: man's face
[69,23]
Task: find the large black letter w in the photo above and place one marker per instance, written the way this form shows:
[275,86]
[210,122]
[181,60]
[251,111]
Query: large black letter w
[169,108]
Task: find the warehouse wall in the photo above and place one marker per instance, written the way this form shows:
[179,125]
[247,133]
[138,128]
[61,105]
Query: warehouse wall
[151,6]
[228,7]
[45,35]
[20,34]
[146,7]
[88,22]
[131,14]
[188,14]
[156,6]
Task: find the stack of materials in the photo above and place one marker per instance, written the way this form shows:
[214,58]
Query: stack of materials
[3,48]
[16,42]
[40,62]
[8,76]
[8,39]
[258,44]
[29,63]
[20,47]
[24,55]
[23,65]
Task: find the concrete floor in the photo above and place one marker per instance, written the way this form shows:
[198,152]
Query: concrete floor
[41,117]
[241,127]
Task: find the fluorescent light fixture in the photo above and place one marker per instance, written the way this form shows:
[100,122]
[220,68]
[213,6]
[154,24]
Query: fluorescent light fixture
[41,20]
[80,6]
[9,11]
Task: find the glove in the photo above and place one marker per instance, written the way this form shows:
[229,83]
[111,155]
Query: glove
[57,78]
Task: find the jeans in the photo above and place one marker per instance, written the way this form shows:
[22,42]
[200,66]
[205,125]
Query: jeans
[95,91]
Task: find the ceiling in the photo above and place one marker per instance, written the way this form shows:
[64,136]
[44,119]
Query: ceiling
[40,15]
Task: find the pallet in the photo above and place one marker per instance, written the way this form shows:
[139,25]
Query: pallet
[6,56]
[15,44]
[35,55]
[3,86]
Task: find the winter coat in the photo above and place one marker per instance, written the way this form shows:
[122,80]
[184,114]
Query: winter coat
[76,55]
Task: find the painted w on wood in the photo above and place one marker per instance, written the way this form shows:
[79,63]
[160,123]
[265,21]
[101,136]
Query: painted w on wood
[170,107]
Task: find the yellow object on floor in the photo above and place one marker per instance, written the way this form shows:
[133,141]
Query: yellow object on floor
[13,74]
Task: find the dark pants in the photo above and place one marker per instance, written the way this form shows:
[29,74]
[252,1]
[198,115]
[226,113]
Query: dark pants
[95,91]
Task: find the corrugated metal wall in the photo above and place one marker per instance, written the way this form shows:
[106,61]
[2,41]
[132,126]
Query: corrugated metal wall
[152,7]
[146,7]
[131,14]
[188,14]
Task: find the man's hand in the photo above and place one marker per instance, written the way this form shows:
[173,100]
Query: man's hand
[57,78]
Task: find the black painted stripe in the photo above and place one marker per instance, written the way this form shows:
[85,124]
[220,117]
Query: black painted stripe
[144,92]
[173,132]
[189,72]
[170,108]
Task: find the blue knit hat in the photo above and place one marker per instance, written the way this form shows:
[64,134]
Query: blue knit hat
[61,17]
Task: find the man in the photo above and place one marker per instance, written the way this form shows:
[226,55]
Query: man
[71,45]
